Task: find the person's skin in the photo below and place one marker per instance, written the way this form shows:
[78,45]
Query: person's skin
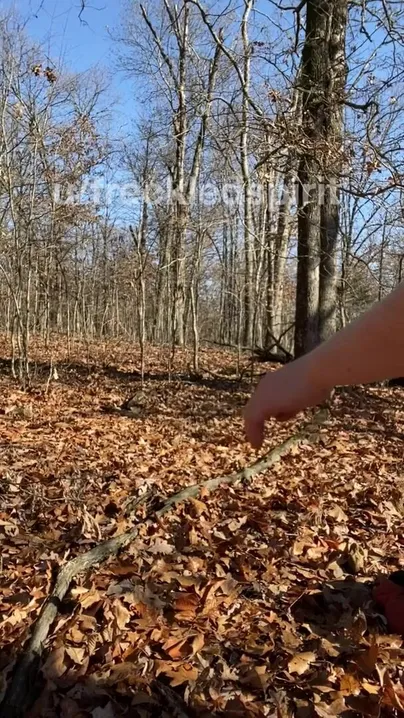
[371,349]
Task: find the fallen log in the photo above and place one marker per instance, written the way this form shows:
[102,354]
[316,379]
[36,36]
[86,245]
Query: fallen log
[19,694]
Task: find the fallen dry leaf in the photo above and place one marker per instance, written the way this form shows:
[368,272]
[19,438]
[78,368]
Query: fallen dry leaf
[55,665]
[177,673]
[76,654]
[225,598]
[367,660]
[301,662]
[349,685]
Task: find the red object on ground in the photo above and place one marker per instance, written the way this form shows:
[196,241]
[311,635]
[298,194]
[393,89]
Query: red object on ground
[391,597]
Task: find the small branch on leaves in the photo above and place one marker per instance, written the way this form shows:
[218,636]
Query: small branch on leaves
[20,692]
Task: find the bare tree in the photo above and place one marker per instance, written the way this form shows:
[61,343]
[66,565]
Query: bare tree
[322,81]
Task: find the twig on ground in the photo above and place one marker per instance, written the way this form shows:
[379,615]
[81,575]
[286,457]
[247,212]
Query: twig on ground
[19,693]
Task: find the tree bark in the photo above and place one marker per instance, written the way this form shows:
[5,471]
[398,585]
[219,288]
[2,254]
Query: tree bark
[248,330]
[323,77]
[334,95]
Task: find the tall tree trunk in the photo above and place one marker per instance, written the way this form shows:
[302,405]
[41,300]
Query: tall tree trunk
[163,270]
[328,299]
[322,83]
[277,249]
[248,330]
[308,262]
[334,96]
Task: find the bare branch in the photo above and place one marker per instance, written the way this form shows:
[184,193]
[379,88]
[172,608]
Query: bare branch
[165,57]
[218,38]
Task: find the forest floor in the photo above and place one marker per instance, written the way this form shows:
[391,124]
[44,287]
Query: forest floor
[252,600]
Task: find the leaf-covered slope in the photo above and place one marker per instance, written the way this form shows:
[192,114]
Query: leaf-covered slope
[249,601]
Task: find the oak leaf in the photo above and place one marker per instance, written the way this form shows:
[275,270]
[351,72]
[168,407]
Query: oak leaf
[76,654]
[178,673]
[301,662]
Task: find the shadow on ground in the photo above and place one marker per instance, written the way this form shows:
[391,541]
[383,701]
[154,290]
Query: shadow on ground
[71,373]
[332,618]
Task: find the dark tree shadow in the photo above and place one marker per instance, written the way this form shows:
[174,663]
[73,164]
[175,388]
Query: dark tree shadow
[72,372]
[331,610]
[365,412]
[158,699]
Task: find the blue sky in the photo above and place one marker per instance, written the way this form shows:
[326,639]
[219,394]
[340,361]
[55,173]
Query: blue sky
[82,44]
[79,45]
[57,23]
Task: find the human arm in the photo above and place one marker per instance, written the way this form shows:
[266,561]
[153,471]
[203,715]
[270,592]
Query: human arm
[368,350]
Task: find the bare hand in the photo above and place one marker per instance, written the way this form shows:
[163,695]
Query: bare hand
[282,395]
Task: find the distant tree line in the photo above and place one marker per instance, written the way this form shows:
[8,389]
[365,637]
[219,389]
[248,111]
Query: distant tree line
[256,203]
